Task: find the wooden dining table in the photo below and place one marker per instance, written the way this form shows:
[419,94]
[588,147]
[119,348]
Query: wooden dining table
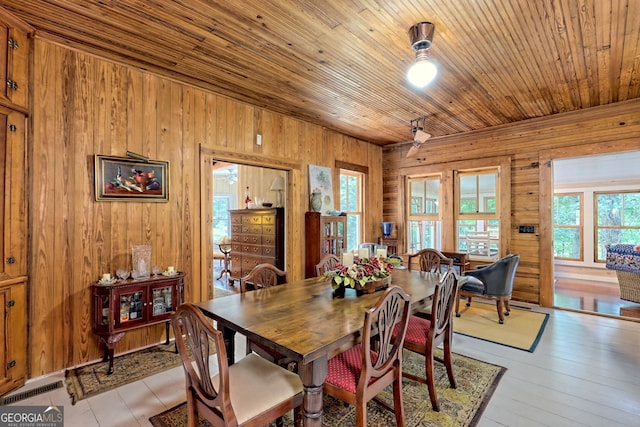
[303,321]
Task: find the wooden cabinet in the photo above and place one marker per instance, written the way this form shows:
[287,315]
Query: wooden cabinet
[15,46]
[132,304]
[13,355]
[13,206]
[324,235]
[257,236]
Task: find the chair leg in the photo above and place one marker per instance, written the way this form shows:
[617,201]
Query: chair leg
[448,363]
[361,413]
[507,308]
[297,416]
[398,406]
[468,301]
[428,360]
[458,307]
[500,308]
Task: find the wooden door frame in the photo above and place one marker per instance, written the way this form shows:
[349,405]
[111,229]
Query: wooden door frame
[207,157]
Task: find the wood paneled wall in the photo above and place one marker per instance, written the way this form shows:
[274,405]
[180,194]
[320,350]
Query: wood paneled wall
[531,145]
[84,105]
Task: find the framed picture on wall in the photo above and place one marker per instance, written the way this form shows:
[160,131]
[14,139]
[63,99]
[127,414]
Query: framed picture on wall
[321,189]
[126,179]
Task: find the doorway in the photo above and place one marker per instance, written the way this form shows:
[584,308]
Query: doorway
[228,174]
[588,213]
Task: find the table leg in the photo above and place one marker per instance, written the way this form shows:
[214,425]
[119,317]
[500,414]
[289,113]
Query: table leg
[313,375]
[229,337]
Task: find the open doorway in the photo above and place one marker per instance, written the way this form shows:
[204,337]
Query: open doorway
[596,200]
[228,174]
[238,186]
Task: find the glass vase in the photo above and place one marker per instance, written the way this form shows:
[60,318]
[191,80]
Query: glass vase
[141,261]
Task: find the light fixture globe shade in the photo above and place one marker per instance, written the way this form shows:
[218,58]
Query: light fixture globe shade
[421,73]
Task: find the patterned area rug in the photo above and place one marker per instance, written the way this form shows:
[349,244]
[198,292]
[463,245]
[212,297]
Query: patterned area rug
[462,406]
[92,379]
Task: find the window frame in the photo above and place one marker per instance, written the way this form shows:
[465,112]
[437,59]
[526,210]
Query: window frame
[423,219]
[447,209]
[359,213]
[596,221]
[580,227]
[483,220]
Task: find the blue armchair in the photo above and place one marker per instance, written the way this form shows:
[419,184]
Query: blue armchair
[493,281]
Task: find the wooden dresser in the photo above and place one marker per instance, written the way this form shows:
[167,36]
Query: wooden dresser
[257,236]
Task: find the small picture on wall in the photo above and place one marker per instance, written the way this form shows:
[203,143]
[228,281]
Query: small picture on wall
[321,189]
[125,179]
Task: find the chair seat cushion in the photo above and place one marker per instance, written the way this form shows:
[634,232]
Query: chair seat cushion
[345,368]
[267,385]
[417,330]
[473,285]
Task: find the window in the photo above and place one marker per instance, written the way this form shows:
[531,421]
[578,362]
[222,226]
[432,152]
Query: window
[617,220]
[351,195]
[221,222]
[477,216]
[568,226]
[424,225]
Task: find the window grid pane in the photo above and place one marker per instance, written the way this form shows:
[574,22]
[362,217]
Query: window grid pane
[617,220]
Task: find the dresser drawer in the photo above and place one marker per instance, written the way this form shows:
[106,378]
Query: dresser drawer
[251,219]
[252,250]
[251,229]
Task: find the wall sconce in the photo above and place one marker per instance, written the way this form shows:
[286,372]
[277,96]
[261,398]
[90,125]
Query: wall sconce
[278,185]
[423,71]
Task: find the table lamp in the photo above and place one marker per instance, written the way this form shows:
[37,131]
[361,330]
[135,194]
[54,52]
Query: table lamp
[278,185]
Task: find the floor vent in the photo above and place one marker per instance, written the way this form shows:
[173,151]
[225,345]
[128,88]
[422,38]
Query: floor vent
[30,393]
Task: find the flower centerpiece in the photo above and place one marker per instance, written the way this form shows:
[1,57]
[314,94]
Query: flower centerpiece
[362,275]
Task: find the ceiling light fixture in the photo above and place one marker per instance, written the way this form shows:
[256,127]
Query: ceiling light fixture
[423,71]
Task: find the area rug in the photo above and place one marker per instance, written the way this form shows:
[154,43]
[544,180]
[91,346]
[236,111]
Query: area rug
[462,406]
[522,329]
[92,379]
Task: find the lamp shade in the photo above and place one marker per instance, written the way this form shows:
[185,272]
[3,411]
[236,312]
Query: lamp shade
[277,184]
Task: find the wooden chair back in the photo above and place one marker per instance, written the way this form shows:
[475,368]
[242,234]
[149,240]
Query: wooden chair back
[378,358]
[327,263]
[425,335]
[430,260]
[196,339]
[262,276]
[212,397]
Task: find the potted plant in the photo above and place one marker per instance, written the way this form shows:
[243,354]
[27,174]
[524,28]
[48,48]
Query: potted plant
[365,275]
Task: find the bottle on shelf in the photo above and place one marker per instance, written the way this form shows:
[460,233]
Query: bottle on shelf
[247,198]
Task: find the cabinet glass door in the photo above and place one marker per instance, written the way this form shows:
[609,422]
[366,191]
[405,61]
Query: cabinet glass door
[131,306]
[162,300]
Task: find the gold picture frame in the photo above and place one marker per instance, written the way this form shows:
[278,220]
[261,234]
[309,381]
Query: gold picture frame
[126,179]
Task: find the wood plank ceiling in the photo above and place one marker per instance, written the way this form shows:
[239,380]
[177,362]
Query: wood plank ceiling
[342,63]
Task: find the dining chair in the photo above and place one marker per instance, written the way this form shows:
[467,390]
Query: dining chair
[359,374]
[424,335]
[430,260]
[327,263]
[493,281]
[222,399]
[262,276]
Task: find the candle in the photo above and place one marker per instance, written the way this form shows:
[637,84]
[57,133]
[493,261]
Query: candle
[381,253]
[106,277]
[363,253]
[347,259]
[170,269]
